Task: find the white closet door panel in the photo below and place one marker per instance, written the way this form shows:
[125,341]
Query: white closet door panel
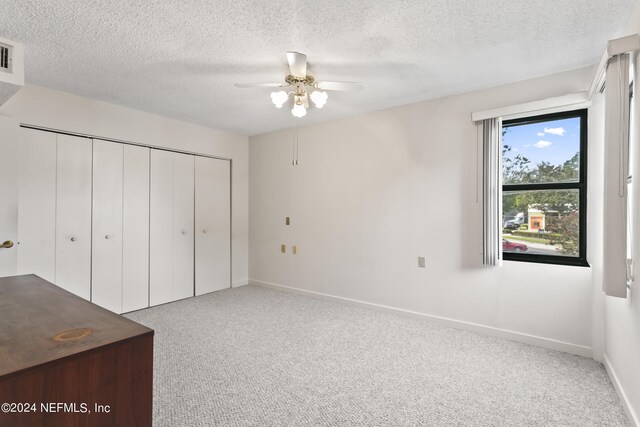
[37,204]
[161,228]
[106,270]
[183,226]
[73,215]
[135,274]
[213,225]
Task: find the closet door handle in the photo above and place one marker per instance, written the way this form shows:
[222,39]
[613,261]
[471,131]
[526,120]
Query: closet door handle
[106,236]
[6,245]
[184,232]
[204,231]
[73,239]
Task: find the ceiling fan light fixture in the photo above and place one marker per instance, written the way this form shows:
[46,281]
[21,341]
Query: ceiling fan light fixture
[298,110]
[302,86]
[279,98]
[319,98]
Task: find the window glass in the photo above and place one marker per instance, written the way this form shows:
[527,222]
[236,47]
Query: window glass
[541,152]
[541,222]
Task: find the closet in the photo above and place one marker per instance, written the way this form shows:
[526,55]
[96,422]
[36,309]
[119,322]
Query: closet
[135,228]
[172,227]
[37,204]
[106,272]
[54,210]
[120,251]
[122,225]
[73,215]
[212,225]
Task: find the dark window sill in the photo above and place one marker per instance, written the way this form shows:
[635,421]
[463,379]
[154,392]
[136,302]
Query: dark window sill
[546,259]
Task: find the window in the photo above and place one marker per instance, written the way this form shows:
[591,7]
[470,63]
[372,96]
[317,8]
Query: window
[544,191]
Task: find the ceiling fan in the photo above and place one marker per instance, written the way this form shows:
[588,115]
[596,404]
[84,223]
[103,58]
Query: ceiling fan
[301,84]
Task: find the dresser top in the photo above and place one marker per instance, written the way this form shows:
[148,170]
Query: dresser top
[41,323]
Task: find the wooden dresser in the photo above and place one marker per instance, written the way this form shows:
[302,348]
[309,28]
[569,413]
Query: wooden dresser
[69,362]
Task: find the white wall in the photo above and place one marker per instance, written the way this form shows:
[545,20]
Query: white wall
[372,193]
[622,316]
[44,107]
[8,195]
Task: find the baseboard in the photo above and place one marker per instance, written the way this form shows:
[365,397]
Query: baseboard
[628,409]
[579,350]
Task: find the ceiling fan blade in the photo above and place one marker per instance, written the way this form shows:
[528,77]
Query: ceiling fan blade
[245,85]
[342,86]
[297,64]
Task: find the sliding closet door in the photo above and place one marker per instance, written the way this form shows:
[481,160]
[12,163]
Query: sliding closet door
[171,227]
[135,213]
[37,204]
[213,224]
[106,272]
[183,225]
[73,215]
[120,257]
[161,228]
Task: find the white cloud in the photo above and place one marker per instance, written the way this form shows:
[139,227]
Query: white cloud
[540,133]
[555,131]
[542,144]
[527,145]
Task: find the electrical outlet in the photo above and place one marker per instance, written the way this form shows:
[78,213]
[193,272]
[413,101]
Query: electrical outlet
[283,249]
[421,262]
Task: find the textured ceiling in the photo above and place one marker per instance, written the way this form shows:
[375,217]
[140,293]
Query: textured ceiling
[180,58]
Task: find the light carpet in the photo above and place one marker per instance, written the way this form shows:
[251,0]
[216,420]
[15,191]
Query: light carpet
[257,357]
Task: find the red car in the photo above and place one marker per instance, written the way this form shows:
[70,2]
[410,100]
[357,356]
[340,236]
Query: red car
[509,246]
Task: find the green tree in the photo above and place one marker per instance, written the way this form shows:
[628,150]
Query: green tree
[559,206]
[515,170]
[567,229]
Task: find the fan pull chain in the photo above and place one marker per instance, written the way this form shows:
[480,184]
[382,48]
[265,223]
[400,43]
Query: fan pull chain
[294,160]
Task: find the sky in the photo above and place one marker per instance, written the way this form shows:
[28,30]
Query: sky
[554,141]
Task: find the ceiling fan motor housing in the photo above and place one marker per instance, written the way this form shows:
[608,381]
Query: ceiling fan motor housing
[308,80]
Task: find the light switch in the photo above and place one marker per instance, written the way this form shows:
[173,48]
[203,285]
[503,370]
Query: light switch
[287,221]
[421,262]
[283,249]
[294,249]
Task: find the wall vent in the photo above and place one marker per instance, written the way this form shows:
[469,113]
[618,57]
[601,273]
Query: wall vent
[11,69]
[5,58]
[11,62]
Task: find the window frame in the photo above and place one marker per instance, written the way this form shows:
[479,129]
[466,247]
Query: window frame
[580,185]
